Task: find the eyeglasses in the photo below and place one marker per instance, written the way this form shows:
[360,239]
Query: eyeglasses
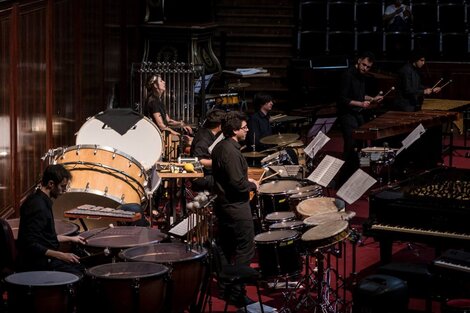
[244,127]
[366,65]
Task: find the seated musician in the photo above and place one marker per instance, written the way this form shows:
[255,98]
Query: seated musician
[411,91]
[259,126]
[203,139]
[154,108]
[38,242]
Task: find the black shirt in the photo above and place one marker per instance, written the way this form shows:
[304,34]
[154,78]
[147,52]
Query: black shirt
[202,140]
[259,127]
[36,232]
[352,87]
[155,105]
[230,171]
[410,92]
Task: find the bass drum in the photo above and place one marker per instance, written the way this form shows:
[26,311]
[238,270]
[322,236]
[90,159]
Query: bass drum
[101,176]
[143,141]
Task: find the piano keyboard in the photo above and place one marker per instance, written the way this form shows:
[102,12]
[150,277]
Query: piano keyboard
[457,260]
[90,211]
[420,231]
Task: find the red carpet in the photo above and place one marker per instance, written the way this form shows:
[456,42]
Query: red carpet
[367,252]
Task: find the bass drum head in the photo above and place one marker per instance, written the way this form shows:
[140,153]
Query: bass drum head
[143,141]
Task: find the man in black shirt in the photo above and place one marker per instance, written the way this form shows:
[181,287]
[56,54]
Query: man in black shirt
[202,140]
[235,222]
[351,103]
[259,125]
[38,242]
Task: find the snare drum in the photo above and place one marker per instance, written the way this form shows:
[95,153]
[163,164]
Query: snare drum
[186,265]
[315,206]
[41,292]
[279,253]
[326,234]
[275,194]
[293,225]
[124,287]
[279,217]
[104,244]
[143,141]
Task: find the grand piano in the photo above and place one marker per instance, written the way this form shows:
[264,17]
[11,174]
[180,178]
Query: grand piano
[432,207]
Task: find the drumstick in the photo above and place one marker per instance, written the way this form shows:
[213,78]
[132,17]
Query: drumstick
[98,232]
[446,84]
[391,89]
[272,175]
[262,175]
[435,85]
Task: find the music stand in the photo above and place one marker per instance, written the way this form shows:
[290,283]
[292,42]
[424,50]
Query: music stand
[323,124]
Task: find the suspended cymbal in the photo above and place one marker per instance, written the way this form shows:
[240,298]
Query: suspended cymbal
[239,85]
[279,139]
[254,154]
[296,144]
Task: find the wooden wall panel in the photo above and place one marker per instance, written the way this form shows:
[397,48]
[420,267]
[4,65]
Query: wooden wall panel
[31,116]
[5,115]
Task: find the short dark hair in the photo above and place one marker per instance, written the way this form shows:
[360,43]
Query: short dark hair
[260,99]
[367,55]
[214,118]
[416,55]
[56,173]
[232,122]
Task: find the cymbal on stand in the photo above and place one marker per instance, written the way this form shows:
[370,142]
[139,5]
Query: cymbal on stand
[239,85]
[279,139]
[254,154]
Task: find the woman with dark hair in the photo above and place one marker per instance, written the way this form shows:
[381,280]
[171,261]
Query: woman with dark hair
[155,109]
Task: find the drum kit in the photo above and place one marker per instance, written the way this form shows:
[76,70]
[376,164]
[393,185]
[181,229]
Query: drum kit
[296,231]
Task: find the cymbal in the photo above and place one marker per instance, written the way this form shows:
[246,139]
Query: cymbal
[280,139]
[296,144]
[254,154]
[239,85]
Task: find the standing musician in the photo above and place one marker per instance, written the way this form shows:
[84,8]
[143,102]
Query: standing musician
[411,91]
[232,207]
[38,242]
[202,140]
[351,103]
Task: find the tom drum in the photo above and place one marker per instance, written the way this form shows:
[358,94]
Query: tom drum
[274,195]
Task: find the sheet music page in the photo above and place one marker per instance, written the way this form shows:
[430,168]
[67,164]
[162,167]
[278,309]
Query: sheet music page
[326,170]
[355,186]
[221,136]
[181,229]
[412,137]
[316,144]
[321,124]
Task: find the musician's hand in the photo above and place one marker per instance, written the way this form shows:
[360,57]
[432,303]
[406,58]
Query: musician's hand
[428,91]
[251,180]
[365,104]
[78,239]
[377,99]
[436,89]
[188,129]
[69,258]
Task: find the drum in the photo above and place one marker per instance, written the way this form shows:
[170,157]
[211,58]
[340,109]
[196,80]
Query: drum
[187,268]
[128,287]
[42,291]
[279,253]
[104,244]
[293,225]
[314,206]
[278,217]
[143,141]
[296,198]
[275,194]
[326,234]
[322,218]
[228,99]
[61,227]
[376,155]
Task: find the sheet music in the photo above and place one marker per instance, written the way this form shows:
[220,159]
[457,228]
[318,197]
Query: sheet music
[198,82]
[355,186]
[326,170]
[316,144]
[412,137]
[181,229]
[321,124]
[221,136]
